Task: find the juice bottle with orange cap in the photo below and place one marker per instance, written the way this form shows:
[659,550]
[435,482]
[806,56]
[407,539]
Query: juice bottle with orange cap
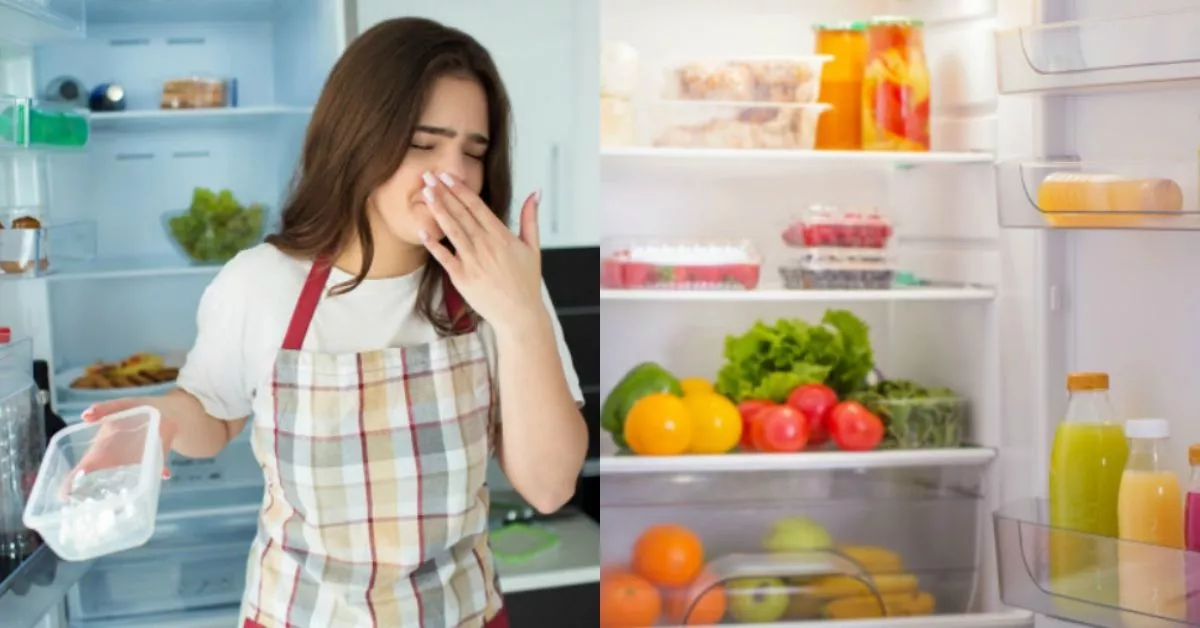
[1086,463]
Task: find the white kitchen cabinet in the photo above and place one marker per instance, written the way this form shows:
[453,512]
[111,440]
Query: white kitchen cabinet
[548,55]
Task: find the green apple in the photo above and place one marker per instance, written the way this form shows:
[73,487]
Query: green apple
[797,534]
[757,600]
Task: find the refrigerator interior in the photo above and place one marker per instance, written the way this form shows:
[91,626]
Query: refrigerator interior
[1017,79]
[946,227]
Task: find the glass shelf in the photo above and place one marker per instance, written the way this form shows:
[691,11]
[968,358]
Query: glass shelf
[1098,195]
[26,125]
[33,252]
[1089,579]
[33,22]
[1081,55]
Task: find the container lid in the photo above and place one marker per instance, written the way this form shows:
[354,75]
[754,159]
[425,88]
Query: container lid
[1081,381]
[1194,454]
[841,25]
[518,543]
[1147,428]
[894,20]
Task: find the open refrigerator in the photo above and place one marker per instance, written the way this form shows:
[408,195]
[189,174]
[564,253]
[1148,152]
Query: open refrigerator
[1008,291]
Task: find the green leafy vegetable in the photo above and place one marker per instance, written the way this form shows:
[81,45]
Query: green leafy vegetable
[216,227]
[916,417]
[767,362]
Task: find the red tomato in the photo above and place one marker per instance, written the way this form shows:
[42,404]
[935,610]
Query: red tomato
[815,401]
[610,274]
[708,275]
[780,429]
[744,274]
[854,428]
[749,409]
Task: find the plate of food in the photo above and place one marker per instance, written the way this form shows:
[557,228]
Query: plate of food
[136,375]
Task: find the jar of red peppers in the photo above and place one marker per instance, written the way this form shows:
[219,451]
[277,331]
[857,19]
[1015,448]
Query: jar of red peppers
[895,95]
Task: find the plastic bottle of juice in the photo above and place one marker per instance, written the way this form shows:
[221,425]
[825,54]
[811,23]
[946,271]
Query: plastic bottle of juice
[1086,463]
[1150,517]
[1191,536]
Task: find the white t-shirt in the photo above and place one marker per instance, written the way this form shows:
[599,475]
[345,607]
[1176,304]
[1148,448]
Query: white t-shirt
[245,311]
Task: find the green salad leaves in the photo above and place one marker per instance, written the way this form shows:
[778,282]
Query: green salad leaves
[769,361]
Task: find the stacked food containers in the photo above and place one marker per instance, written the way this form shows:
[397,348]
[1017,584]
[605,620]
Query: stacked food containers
[841,248]
[741,103]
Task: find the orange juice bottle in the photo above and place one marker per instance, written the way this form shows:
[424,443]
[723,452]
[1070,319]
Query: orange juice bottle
[1150,518]
[1086,462]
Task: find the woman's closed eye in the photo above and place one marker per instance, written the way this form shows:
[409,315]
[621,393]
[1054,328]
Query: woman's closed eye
[419,146]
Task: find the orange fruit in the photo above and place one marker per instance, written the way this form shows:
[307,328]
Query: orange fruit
[695,386]
[658,425]
[668,555]
[628,601]
[716,423]
[702,603]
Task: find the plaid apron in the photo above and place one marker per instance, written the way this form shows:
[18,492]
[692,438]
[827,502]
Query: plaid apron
[376,509]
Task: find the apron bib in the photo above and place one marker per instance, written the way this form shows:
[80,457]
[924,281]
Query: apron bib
[375,513]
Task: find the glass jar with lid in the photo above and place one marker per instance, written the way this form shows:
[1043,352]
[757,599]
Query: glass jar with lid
[896,86]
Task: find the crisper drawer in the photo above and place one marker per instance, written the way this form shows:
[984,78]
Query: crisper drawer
[192,562]
[793,544]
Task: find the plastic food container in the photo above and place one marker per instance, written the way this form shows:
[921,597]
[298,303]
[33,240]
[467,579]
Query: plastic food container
[97,489]
[680,265]
[22,243]
[519,543]
[617,123]
[684,124]
[916,417]
[776,80]
[835,269]
[194,93]
[823,225]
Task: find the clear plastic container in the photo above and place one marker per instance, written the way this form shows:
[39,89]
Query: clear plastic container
[922,423]
[834,269]
[519,543]
[826,225]
[23,245]
[97,489]
[684,124]
[618,126]
[680,265]
[194,92]
[779,80]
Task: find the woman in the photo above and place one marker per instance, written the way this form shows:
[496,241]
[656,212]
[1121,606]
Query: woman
[380,341]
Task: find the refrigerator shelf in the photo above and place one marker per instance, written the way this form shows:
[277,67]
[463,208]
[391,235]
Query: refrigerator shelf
[25,124]
[804,461]
[776,293]
[1081,55]
[647,161]
[1156,195]
[151,120]
[1116,582]
[33,22]
[40,251]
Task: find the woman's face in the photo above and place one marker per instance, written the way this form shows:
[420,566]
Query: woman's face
[451,138]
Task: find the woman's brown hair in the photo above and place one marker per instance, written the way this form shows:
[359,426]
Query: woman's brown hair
[361,129]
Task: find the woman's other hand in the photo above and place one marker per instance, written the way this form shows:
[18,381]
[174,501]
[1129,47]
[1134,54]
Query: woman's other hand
[498,273]
[111,448]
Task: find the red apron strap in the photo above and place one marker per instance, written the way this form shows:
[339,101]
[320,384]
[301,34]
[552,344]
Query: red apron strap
[306,305]
[456,307]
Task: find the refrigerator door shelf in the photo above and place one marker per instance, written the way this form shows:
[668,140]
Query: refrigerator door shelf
[1090,579]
